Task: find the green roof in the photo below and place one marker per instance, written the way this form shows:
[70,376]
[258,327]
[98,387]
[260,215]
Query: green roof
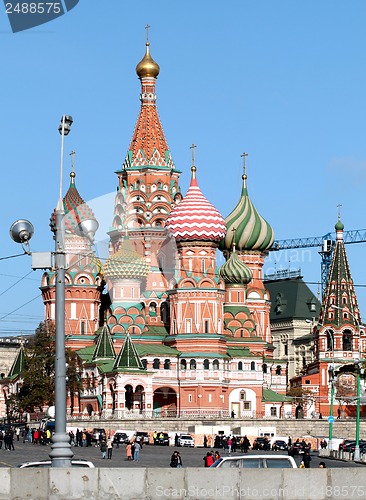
[104,347]
[156,350]
[270,396]
[18,364]
[202,355]
[127,357]
[239,352]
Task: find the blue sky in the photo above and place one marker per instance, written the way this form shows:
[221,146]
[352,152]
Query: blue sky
[284,81]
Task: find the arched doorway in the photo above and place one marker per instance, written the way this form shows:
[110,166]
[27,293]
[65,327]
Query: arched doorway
[165,402]
[139,398]
[129,397]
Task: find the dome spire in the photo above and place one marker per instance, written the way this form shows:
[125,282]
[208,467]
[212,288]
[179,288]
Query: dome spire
[147,67]
[72,173]
[244,177]
[193,167]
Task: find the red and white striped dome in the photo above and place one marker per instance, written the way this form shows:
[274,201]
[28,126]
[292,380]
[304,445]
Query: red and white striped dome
[195,218]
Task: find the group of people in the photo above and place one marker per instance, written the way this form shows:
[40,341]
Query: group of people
[133,448]
[210,458]
[8,439]
[230,443]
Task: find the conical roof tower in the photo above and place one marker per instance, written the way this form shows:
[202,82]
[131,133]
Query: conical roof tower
[128,358]
[104,348]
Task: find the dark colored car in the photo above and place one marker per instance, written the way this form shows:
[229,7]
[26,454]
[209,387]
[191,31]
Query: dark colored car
[144,436]
[297,448]
[279,444]
[351,445]
[261,443]
[162,439]
[120,438]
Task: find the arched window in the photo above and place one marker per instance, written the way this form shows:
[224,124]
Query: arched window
[192,364]
[347,340]
[278,370]
[206,364]
[215,364]
[156,363]
[252,365]
[152,309]
[330,340]
[144,363]
[167,364]
[240,366]
[264,368]
[183,364]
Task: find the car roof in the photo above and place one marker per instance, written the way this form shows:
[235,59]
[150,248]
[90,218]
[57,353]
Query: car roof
[48,463]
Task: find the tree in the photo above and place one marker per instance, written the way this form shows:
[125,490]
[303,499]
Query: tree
[38,388]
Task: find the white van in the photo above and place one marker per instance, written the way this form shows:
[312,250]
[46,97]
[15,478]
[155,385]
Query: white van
[257,462]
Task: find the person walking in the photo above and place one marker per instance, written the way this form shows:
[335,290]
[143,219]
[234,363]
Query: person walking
[103,448]
[109,448]
[205,441]
[136,452]
[179,461]
[208,459]
[129,451]
[307,458]
[246,444]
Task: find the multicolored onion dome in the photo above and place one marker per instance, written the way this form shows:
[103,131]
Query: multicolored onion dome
[235,272]
[76,210]
[126,263]
[195,218]
[246,228]
[147,66]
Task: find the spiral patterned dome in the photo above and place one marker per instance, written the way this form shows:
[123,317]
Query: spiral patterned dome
[235,272]
[75,208]
[195,218]
[246,227]
[126,263]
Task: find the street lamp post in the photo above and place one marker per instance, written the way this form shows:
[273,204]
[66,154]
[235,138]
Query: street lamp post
[331,418]
[61,453]
[357,454]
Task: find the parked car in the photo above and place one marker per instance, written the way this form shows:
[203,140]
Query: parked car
[96,433]
[142,435]
[351,445]
[257,462]
[297,448]
[162,439]
[186,440]
[261,443]
[48,463]
[120,438]
[279,444]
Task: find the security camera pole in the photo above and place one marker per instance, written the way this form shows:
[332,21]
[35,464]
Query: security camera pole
[61,453]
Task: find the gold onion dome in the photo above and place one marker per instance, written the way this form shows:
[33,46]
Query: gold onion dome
[235,272]
[147,67]
[126,263]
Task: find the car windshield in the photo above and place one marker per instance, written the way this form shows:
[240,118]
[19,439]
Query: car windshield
[186,437]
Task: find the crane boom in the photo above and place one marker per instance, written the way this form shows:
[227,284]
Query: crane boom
[326,243]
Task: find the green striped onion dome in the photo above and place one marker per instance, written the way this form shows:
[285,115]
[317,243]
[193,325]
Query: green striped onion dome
[235,272]
[339,225]
[126,263]
[246,228]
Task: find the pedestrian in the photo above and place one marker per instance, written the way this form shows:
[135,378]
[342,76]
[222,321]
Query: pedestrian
[174,459]
[302,465]
[233,414]
[11,441]
[205,441]
[1,439]
[217,455]
[103,448]
[136,452]
[129,451]
[246,444]
[322,465]
[17,433]
[234,444]
[307,459]
[339,413]
[208,459]
[179,461]
[229,444]
[109,448]
[176,440]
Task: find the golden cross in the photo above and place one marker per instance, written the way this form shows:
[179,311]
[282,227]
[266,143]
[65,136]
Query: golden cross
[147,32]
[339,211]
[72,154]
[192,148]
[244,155]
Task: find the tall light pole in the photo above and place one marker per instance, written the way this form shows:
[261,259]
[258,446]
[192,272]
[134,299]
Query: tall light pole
[61,453]
[357,364]
[331,417]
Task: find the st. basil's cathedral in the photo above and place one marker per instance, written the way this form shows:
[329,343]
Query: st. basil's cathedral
[160,329]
